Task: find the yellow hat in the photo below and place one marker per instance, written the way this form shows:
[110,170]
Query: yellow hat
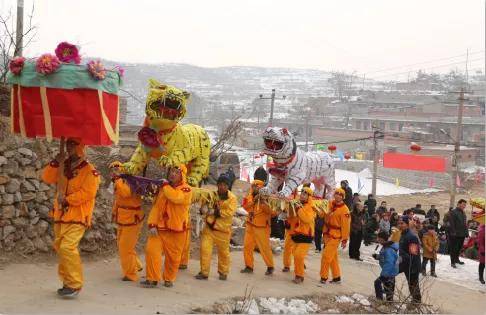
[308,191]
[258,183]
[341,192]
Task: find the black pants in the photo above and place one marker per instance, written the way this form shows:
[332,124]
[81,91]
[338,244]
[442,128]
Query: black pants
[319,223]
[354,244]
[385,285]
[413,286]
[455,250]
[481,271]
[425,260]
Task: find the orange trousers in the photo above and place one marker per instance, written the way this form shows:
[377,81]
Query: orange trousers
[172,245]
[127,238]
[67,238]
[222,242]
[300,252]
[186,253]
[257,237]
[329,258]
[288,250]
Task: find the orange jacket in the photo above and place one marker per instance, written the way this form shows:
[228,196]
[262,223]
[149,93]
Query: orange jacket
[259,212]
[430,243]
[127,208]
[81,191]
[227,209]
[337,221]
[171,209]
[306,218]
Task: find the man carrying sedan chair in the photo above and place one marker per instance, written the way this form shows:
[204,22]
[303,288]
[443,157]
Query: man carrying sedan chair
[72,211]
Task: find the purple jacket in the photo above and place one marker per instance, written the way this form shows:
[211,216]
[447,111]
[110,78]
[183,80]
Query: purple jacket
[481,244]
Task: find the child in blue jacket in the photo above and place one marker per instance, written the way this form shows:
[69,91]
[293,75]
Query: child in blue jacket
[388,258]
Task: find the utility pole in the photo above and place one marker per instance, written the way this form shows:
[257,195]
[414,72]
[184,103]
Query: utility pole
[19,34]
[272,105]
[307,111]
[457,148]
[376,135]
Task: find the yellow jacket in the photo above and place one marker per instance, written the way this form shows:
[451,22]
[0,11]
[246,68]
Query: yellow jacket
[227,209]
[306,218]
[127,208]
[430,243]
[81,188]
[337,222]
[171,209]
[259,212]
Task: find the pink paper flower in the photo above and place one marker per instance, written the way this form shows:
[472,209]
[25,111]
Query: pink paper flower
[67,52]
[96,69]
[47,63]
[120,70]
[16,65]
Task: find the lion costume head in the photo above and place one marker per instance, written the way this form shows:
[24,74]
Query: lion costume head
[166,105]
[279,143]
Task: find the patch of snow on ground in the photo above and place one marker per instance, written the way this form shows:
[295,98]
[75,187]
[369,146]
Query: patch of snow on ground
[465,275]
[361,299]
[282,306]
[344,299]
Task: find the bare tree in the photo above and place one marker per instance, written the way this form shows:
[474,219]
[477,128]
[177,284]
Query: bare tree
[226,139]
[8,43]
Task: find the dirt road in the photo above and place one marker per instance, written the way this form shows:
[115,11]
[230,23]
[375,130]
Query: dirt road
[30,288]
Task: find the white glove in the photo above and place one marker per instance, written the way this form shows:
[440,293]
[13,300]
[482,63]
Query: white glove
[265,191]
[282,194]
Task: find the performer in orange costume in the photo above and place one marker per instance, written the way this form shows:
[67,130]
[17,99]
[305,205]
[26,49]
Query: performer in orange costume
[336,231]
[72,213]
[167,222]
[257,232]
[128,215]
[303,233]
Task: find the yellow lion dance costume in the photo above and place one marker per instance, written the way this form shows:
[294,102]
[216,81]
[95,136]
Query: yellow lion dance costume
[165,139]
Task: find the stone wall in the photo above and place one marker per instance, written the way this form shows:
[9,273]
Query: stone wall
[25,201]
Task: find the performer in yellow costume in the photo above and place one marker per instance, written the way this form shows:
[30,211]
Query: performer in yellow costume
[217,231]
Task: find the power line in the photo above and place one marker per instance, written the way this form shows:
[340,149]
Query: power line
[425,62]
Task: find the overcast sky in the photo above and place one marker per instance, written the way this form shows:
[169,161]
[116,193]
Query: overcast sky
[352,35]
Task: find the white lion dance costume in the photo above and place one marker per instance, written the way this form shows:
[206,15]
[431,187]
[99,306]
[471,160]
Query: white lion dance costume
[294,167]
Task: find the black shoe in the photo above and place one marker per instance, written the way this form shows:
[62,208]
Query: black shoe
[168,284]
[68,293]
[460,262]
[223,277]
[148,284]
[424,273]
[482,281]
[140,270]
[269,271]
[60,290]
[126,279]
[453,266]
[336,280]
[298,280]
[247,270]
[182,267]
[359,259]
[433,274]
[323,281]
[286,269]
[200,276]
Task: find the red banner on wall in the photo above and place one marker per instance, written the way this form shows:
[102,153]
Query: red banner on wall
[414,162]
